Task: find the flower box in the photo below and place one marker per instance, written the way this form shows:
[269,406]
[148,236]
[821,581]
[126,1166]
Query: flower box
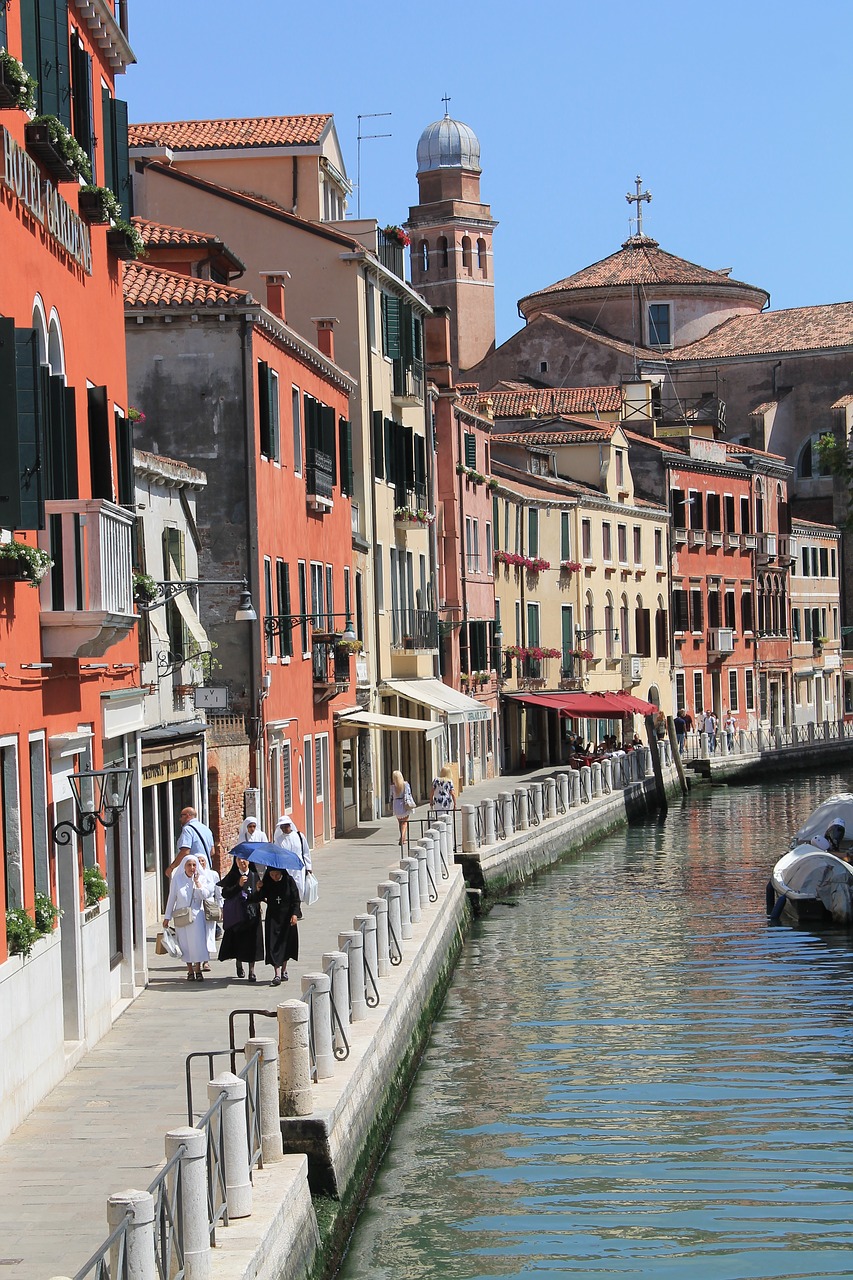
[98,205]
[56,149]
[124,242]
[19,562]
[17,86]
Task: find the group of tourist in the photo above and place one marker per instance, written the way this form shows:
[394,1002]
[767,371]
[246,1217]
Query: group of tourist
[206,912]
[706,722]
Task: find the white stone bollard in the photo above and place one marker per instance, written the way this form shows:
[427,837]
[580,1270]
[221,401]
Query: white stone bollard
[268,1086]
[488,811]
[294,1058]
[410,865]
[469,828]
[563,791]
[320,1010]
[550,797]
[595,768]
[401,879]
[742,740]
[423,852]
[193,1199]
[235,1141]
[575,788]
[366,924]
[391,892]
[353,943]
[434,857]
[505,801]
[616,765]
[336,965]
[379,909]
[444,848]
[607,775]
[536,793]
[703,746]
[586,783]
[139,1260]
[724,743]
[523,808]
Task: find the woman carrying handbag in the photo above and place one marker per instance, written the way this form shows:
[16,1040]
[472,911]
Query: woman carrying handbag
[188,892]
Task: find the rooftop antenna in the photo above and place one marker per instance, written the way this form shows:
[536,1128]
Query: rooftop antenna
[362,137]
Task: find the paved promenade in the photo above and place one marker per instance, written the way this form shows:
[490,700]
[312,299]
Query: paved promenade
[101,1129]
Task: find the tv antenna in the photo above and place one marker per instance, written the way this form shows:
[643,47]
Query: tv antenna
[363,137]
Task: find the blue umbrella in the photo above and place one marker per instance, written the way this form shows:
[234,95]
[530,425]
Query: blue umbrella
[268,855]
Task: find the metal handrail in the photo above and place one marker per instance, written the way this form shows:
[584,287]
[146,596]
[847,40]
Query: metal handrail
[532,816]
[98,1266]
[210,1054]
[340,1051]
[251,1014]
[308,998]
[252,1075]
[217,1196]
[371,1001]
[433,889]
[168,1193]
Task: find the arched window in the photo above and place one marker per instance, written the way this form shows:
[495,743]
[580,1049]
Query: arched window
[589,621]
[441,247]
[466,254]
[423,251]
[40,326]
[609,625]
[809,464]
[661,630]
[55,348]
[783,514]
[624,625]
[759,507]
[482,260]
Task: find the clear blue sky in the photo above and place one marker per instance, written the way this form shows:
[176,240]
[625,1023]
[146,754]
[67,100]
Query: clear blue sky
[736,114]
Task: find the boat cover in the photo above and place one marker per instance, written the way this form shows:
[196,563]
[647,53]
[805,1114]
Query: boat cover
[837,808]
[806,872]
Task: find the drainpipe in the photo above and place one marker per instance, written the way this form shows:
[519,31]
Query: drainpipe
[257,776]
[370,488]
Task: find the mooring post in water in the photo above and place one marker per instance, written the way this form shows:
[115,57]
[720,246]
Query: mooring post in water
[651,732]
[379,908]
[676,754]
[269,1122]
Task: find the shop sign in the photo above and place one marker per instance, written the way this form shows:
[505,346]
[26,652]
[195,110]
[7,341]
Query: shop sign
[22,176]
[168,770]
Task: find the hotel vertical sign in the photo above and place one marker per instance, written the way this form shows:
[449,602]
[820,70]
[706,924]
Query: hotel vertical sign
[21,175]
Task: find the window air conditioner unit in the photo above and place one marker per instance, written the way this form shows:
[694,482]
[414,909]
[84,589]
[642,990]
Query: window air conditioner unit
[723,640]
[632,669]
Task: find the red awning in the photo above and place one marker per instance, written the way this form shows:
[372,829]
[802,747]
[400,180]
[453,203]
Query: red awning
[588,706]
[638,706]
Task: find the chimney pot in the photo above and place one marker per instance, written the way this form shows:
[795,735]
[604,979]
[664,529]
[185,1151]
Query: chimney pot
[275,292]
[326,335]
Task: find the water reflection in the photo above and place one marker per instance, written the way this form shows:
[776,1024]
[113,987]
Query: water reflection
[633,1075]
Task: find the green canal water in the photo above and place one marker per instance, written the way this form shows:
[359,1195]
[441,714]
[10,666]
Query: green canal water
[633,1074]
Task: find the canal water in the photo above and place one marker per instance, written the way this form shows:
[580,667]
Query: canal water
[633,1074]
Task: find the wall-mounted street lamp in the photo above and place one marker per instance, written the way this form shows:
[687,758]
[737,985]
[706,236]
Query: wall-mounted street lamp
[580,634]
[276,624]
[167,591]
[100,796]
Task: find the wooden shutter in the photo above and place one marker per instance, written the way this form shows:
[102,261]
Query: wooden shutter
[389,449]
[116,158]
[108,141]
[401,486]
[60,430]
[285,635]
[470,449]
[680,611]
[81,95]
[378,445]
[409,458]
[327,435]
[54,73]
[21,440]
[391,326]
[642,623]
[420,467]
[124,460]
[661,634]
[100,469]
[2,26]
[345,441]
[264,408]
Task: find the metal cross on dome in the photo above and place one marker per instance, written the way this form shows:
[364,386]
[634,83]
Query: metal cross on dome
[638,201]
[446,100]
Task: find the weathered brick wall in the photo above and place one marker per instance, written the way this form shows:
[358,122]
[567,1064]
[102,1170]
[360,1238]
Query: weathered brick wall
[227,779]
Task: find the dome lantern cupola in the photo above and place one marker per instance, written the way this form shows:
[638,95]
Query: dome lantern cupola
[448,144]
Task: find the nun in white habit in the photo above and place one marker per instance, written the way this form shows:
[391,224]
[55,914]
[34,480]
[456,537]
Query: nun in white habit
[188,889]
[288,837]
[212,882]
[251,833]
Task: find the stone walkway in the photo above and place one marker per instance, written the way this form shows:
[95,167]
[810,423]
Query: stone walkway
[101,1130]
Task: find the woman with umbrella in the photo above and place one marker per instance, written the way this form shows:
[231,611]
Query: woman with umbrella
[278,890]
[243,940]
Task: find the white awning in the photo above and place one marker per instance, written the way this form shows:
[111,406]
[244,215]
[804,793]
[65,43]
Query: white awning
[439,697]
[375,720]
[190,617]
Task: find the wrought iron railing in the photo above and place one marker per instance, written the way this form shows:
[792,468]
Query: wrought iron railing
[109,1262]
[391,254]
[167,1190]
[414,629]
[319,474]
[409,379]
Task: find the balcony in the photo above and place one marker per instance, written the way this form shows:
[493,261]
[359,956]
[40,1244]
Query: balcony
[408,385]
[391,254]
[414,629]
[330,668]
[721,641]
[319,480]
[87,597]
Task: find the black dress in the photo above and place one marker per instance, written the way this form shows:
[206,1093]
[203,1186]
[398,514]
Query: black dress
[281,937]
[242,940]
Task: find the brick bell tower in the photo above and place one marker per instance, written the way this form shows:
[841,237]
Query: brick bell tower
[451,234]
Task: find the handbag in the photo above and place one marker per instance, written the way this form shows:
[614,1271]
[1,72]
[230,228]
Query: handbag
[182,917]
[167,944]
[212,910]
[311,889]
[409,799]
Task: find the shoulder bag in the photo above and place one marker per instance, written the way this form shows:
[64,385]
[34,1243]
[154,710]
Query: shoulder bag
[212,910]
[182,917]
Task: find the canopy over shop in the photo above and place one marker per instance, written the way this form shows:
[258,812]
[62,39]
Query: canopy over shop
[544,738]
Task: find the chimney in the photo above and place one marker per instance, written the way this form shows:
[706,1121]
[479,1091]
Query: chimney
[326,335]
[275,292]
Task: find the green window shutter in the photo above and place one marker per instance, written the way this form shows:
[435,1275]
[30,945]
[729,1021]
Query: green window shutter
[470,450]
[99,443]
[108,141]
[389,450]
[401,473]
[345,451]
[378,446]
[327,434]
[285,635]
[565,540]
[420,466]
[30,40]
[124,458]
[122,157]
[409,457]
[391,326]
[53,49]
[407,341]
[21,476]
[2,26]
[59,408]
[532,625]
[312,426]
[81,95]
[264,416]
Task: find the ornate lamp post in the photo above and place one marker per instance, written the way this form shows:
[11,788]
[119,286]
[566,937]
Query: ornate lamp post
[100,797]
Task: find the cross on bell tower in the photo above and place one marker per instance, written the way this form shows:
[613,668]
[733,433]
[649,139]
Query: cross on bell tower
[638,201]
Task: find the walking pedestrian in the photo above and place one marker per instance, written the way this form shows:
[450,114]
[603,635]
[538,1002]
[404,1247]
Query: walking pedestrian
[729,727]
[242,939]
[288,836]
[195,838]
[711,730]
[402,803]
[443,791]
[680,726]
[281,937]
[250,832]
[188,892]
[213,908]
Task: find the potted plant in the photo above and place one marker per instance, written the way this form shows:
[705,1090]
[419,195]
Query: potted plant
[135,415]
[17,86]
[350,646]
[397,235]
[124,240]
[145,589]
[21,932]
[94,886]
[24,563]
[57,149]
[98,205]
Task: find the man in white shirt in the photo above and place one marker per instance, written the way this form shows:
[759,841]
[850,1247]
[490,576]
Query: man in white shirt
[195,838]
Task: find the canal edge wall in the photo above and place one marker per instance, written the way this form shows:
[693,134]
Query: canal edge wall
[771,761]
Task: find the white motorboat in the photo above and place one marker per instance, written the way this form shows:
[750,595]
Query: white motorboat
[837,809]
[812,883]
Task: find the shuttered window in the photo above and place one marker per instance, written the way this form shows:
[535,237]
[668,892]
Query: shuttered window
[391,324]
[100,468]
[45,54]
[83,113]
[696,610]
[420,468]
[345,449]
[124,460]
[285,635]
[643,630]
[328,444]
[470,449]
[680,612]
[2,26]
[116,161]
[22,479]
[268,411]
[378,445]
[661,634]
[59,414]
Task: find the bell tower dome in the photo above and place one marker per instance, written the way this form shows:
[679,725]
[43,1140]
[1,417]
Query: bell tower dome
[451,235]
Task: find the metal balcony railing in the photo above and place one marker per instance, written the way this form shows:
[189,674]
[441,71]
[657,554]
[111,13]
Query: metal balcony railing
[319,472]
[89,541]
[391,254]
[330,663]
[409,379]
[414,629]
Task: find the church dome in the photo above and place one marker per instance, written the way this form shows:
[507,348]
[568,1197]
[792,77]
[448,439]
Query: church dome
[448,144]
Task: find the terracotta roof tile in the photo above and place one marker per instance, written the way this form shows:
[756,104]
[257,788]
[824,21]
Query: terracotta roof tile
[160,235]
[746,451]
[798,523]
[843,401]
[798,329]
[588,433]
[148,286]
[213,135]
[641,261]
[547,401]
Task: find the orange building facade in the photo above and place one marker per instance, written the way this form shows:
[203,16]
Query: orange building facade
[69,686]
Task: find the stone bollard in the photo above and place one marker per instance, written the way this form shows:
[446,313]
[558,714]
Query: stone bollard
[505,801]
[550,797]
[391,892]
[353,943]
[139,1261]
[616,767]
[366,924]
[379,909]
[410,865]
[825,733]
[586,783]
[268,1087]
[575,788]
[434,856]
[318,988]
[536,793]
[811,733]
[563,791]
[724,743]
[444,845]
[469,828]
[607,775]
[596,778]
[294,1058]
[336,965]
[193,1198]
[489,828]
[704,753]
[401,879]
[523,808]
[235,1142]
[742,739]
[423,852]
